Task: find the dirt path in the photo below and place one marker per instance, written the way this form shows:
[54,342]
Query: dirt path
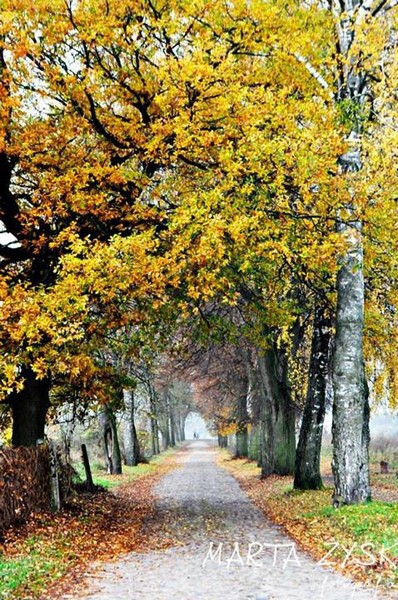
[226,550]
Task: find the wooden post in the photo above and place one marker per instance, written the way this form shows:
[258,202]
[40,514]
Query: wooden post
[55,490]
[86,463]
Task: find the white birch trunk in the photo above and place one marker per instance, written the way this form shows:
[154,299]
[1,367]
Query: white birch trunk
[350,408]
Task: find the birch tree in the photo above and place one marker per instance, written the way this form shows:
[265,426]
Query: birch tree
[364,38]
[356,67]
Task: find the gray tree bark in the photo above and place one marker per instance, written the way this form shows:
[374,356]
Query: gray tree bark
[242,419]
[307,468]
[113,459]
[181,426]
[131,445]
[350,410]
[277,438]
[222,441]
[165,432]
[350,407]
[154,421]
[171,419]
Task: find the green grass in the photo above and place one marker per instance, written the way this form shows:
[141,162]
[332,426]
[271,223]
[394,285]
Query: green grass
[373,522]
[370,523]
[129,473]
[362,537]
[13,574]
[25,576]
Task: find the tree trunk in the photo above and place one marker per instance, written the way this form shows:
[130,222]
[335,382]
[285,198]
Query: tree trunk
[350,427]
[172,437]
[154,436]
[254,443]
[87,469]
[350,408]
[165,433]
[154,422]
[222,441]
[113,457]
[277,440]
[132,453]
[29,409]
[242,419]
[182,427]
[171,421]
[285,437]
[177,432]
[307,469]
[255,392]
[267,420]
[165,439]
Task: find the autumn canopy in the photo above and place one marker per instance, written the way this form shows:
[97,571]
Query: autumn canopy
[213,179]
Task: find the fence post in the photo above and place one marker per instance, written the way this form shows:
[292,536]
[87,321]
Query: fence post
[86,463]
[54,479]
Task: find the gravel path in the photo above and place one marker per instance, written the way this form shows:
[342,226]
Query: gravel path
[227,549]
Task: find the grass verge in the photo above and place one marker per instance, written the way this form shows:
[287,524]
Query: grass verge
[362,540]
[130,474]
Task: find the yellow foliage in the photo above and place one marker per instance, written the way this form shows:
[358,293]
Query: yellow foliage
[170,154]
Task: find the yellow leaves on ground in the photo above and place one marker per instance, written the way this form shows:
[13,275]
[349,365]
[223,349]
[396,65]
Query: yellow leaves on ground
[91,528]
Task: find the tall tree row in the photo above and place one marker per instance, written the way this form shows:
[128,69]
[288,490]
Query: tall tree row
[161,162]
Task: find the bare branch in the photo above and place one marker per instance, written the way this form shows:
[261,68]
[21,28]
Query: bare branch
[315,73]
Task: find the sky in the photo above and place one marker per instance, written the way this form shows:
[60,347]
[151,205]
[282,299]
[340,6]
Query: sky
[195,424]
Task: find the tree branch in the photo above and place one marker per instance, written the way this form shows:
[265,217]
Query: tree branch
[194,163]
[315,73]
[100,128]
[14,254]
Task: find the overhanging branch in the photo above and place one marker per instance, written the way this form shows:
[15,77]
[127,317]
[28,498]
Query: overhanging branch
[315,73]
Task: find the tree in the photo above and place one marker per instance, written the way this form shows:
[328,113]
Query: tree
[132,453]
[307,468]
[278,444]
[355,95]
[61,184]
[113,458]
[181,154]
